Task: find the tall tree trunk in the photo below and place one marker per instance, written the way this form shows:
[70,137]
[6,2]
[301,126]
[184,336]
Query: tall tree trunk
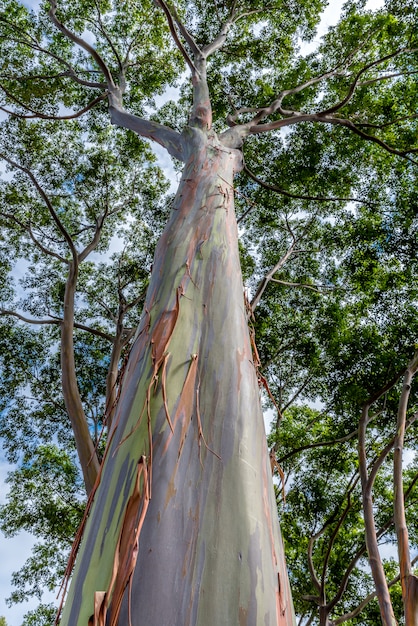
[197,506]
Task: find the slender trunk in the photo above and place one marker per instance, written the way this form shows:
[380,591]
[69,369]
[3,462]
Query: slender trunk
[409,582]
[84,444]
[189,511]
[379,578]
[112,380]
[410,600]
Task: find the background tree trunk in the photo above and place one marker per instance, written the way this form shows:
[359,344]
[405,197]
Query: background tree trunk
[85,447]
[209,550]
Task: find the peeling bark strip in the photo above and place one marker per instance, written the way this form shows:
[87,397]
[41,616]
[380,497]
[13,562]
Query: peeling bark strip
[212,516]
[127,549]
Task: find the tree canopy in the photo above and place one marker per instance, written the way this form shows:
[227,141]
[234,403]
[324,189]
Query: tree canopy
[327,216]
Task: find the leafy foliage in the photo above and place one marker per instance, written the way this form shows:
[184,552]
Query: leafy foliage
[327,211]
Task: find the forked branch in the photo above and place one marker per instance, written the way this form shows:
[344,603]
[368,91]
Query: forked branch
[172,20]
[47,202]
[81,43]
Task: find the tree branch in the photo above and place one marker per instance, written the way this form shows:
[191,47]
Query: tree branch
[263,112]
[385,604]
[47,201]
[354,83]
[386,77]
[335,533]
[81,43]
[365,602]
[267,278]
[167,137]
[316,288]
[57,322]
[288,194]
[34,45]
[318,444]
[106,36]
[44,116]
[171,18]
[401,528]
[337,121]
[27,228]
[362,550]
[385,124]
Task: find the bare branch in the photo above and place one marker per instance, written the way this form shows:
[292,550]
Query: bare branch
[185,33]
[296,394]
[311,567]
[354,83]
[267,278]
[106,36]
[108,310]
[318,444]
[81,43]
[96,237]
[382,530]
[338,121]
[34,45]
[44,116]
[44,249]
[288,194]
[27,320]
[54,321]
[335,533]
[365,602]
[386,124]
[276,105]
[367,481]
[170,139]
[221,36]
[47,201]
[27,228]
[386,77]
[316,288]
[291,250]
[404,556]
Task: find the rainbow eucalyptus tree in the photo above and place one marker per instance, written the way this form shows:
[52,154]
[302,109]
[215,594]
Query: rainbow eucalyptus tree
[185,498]
[181,525]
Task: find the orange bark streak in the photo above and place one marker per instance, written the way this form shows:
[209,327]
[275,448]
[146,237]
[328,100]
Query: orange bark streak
[127,547]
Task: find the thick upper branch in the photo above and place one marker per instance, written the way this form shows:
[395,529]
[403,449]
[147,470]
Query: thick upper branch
[82,43]
[165,136]
[173,20]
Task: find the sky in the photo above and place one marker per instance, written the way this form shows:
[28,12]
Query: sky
[14,551]
[13,554]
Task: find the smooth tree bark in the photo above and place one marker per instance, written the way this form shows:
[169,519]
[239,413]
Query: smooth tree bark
[85,446]
[183,527]
[367,481]
[409,581]
[209,549]
[368,476]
